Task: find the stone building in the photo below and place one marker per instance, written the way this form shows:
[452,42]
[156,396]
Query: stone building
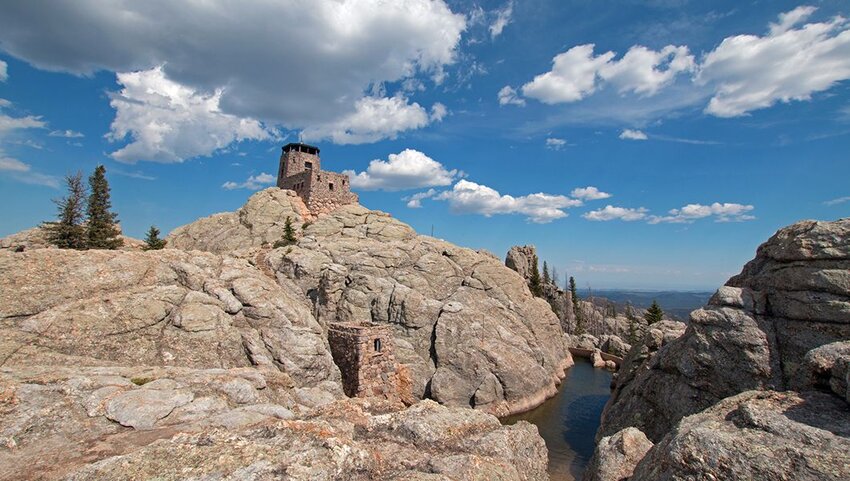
[301,170]
[364,353]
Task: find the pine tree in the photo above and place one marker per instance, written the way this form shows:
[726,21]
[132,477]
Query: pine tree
[534,280]
[68,232]
[546,278]
[152,241]
[577,310]
[101,222]
[632,331]
[654,313]
[288,234]
[554,276]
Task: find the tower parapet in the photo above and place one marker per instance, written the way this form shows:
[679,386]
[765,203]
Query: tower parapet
[301,170]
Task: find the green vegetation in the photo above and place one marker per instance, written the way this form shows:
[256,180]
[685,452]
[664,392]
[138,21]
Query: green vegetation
[546,278]
[288,235]
[101,222]
[534,282]
[152,240]
[577,311]
[654,313]
[141,381]
[69,232]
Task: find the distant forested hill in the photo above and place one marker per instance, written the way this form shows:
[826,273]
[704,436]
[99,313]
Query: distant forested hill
[677,304]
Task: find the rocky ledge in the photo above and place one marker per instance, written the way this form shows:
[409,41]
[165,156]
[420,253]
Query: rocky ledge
[756,386]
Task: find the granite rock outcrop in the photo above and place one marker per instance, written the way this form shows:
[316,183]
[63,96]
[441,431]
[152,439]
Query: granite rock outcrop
[466,328]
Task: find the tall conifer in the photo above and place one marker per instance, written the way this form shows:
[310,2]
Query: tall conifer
[101,221]
[68,232]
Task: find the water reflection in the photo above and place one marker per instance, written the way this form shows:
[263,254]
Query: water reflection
[568,421]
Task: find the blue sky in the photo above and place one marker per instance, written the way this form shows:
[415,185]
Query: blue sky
[637,144]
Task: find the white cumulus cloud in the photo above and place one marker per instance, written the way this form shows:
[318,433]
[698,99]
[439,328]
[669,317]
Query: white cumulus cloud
[610,212]
[467,197]
[725,212]
[254,182]
[293,63]
[408,169]
[589,193]
[578,73]
[749,72]
[630,134]
[168,122]
[375,118]
[555,143]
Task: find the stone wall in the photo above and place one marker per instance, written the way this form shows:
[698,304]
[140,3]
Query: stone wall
[364,353]
[322,191]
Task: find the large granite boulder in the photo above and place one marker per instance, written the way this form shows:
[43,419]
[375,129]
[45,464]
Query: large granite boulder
[467,328]
[753,335]
[260,221]
[757,435]
[156,308]
[617,455]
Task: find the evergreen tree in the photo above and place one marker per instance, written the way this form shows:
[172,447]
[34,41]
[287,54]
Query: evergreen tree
[546,278]
[632,331]
[573,293]
[288,234]
[577,310]
[554,276]
[101,222]
[534,282]
[152,241]
[654,313]
[68,232]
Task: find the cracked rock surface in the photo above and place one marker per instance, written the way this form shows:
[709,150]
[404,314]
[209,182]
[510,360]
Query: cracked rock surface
[466,327]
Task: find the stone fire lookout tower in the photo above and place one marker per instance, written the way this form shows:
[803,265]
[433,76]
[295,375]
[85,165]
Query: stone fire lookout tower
[301,170]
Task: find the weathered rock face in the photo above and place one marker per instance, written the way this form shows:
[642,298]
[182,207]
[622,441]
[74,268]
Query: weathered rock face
[757,435]
[186,364]
[260,221]
[165,308]
[616,456]
[522,259]
[466,328]
[754,334]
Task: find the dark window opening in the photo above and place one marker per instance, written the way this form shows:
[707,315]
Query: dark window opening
[331,185]
[377,345]
[308,165]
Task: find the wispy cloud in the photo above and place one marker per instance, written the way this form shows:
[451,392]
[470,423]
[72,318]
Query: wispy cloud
[132,174]
[68,134]
[254,182]
[837,201]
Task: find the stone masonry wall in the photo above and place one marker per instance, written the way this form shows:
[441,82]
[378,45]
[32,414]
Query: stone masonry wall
[366,371]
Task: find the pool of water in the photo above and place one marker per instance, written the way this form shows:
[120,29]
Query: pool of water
[568,421]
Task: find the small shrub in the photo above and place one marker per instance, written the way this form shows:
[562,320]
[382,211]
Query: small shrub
[141,381]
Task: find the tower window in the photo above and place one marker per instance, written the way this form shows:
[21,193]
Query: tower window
[377,345]
[308,165]
[331,185]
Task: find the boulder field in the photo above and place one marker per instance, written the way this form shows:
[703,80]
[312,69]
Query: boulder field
[210,360]
[756,385]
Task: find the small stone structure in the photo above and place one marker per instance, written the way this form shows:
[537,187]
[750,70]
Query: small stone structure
[301,170]
[364,353]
